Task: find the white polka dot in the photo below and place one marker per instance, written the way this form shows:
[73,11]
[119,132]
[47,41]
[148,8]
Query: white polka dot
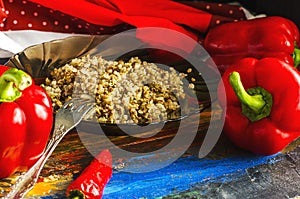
[51,11]
[22,12]
[35,14]
[235,20]
[218,21]
[220,5]
[207,7]
[11,1]
[66,27]
[7,12]
[2,25]
[44,23]
[101,28]
[79,26]
[3,10]
[55,23]
[231,12]
[15,22]
[98,33]
[24,2]
[29,25]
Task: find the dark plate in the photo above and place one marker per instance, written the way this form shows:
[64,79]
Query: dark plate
[40,59]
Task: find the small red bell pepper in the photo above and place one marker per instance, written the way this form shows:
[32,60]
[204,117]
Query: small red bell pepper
[262,104]
[92,180]
[26,120]
[271,36]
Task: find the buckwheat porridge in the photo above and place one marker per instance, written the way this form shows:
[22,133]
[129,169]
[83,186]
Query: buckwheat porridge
[125,92]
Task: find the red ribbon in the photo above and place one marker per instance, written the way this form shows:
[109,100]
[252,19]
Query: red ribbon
[112,16]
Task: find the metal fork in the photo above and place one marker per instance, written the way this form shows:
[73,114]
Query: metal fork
[66,119]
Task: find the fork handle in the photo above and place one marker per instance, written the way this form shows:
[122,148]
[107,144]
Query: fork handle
[27,181]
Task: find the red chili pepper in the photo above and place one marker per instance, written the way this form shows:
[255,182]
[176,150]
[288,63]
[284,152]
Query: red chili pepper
[262,104]
[92,180]
[272,36]
[26,120]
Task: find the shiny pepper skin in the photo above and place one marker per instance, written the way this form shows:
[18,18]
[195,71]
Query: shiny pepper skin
[26,121]
[262,104]
[271,36]
[91,182]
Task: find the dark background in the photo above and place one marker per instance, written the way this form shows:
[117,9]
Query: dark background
[285,8]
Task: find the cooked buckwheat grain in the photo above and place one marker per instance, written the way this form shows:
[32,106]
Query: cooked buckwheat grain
[125,92]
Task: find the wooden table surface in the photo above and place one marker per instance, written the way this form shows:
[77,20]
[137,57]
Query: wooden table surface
[227,172]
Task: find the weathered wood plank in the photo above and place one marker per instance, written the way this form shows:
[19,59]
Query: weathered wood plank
[226,172]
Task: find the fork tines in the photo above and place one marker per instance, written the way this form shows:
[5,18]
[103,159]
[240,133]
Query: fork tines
[76,102]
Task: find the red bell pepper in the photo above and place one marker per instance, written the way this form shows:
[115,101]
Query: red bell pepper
[262,104]
[272,36]
[92,180]
[26,120]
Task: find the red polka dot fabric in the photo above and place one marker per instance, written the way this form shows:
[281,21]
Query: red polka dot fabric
[26,15]
[113,16]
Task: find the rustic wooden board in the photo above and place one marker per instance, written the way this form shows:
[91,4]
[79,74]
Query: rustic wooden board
[226,172]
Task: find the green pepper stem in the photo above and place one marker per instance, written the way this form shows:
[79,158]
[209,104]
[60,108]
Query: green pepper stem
[76,194]
[296,57]
[254,102]
[12,83]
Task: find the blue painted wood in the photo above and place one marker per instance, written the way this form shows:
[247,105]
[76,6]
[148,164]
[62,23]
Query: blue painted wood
[181,176]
